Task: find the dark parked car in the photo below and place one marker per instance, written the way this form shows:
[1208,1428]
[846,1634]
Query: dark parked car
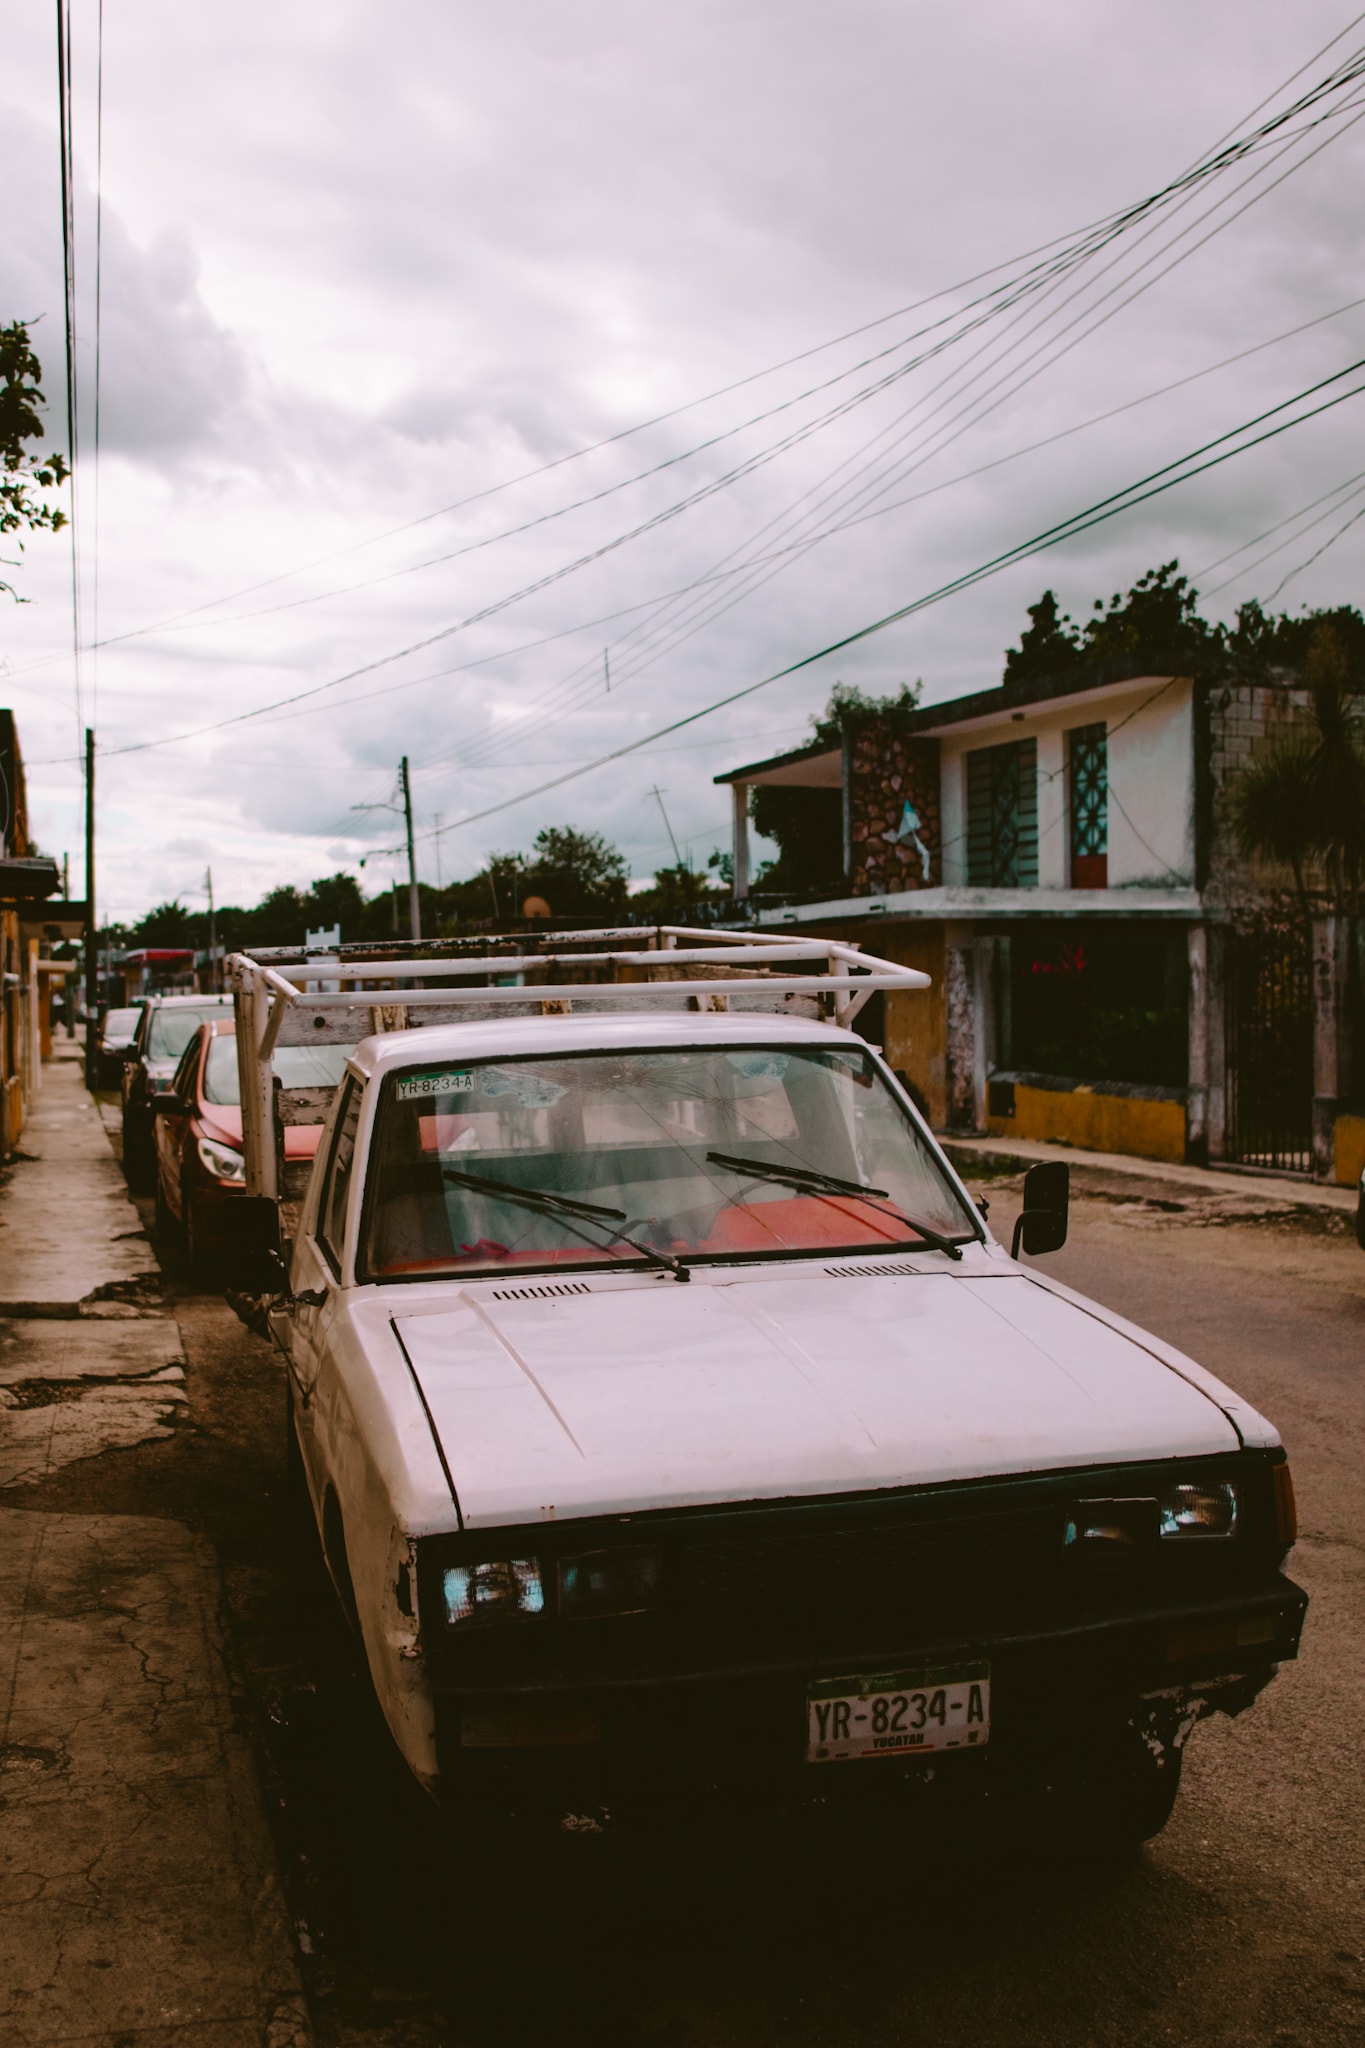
[117,1033]
[198,1131]
[165,1028]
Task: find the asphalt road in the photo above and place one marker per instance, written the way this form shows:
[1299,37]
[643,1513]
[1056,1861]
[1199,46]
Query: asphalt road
[1242,1925]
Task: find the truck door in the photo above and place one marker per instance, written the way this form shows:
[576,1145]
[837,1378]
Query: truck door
[317,1263]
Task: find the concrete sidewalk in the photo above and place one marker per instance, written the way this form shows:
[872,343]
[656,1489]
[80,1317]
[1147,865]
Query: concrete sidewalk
[89,1359]
[69,1236]
[139,1904]
[1263,1192]
[138,1900]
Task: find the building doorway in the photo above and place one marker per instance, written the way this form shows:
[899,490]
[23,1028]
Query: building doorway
[1269,1010]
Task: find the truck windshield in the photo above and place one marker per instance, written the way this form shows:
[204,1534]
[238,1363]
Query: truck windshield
[636,1134]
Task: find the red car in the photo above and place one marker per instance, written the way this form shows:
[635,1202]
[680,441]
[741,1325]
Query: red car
[199,1163]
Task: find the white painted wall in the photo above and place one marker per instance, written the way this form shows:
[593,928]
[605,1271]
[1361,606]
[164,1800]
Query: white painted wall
[1151,781]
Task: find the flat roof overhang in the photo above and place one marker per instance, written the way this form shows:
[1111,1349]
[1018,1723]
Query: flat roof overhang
[28,880]
[965,906]
[817,767]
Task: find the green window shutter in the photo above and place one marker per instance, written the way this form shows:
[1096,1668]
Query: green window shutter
[1002,816]
[979,819]
[1088,750]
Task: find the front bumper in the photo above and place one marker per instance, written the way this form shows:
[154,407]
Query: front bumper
[1067,1697]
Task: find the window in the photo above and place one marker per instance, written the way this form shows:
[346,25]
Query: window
[331,1224]
[747,1151]
[295,1066]
[170,1031]
[1088,780]
[187,1073]
[1002,816]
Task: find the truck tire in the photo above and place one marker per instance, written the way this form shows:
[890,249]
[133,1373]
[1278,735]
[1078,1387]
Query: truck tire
[139,1156]
[1129,1806]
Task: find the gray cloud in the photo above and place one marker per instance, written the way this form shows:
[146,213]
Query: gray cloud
[353,276]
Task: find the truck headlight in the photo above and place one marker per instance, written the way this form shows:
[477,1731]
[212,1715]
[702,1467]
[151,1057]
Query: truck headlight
[608,1582]
[503,1589]
[1200,1507]
[222,1162]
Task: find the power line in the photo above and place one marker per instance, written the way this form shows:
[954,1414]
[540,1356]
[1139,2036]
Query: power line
[99,299]
[1139,493]
[1209,163]
[1330,542]
[1057,269]
[69,306]
[702,616]
[1334,499]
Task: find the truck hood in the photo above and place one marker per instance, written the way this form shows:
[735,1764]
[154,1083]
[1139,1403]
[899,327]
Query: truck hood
[653,1395]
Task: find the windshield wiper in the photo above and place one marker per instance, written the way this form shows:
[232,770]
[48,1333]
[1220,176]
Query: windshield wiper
[808,1179]
[546,1203]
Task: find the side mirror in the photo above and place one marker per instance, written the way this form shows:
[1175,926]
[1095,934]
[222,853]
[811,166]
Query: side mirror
[1041,1225]
[253,1257]
[167,1104]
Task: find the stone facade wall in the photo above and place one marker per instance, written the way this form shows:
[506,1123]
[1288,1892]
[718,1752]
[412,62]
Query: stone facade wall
[894,817]
[1244,720]
[959,1003]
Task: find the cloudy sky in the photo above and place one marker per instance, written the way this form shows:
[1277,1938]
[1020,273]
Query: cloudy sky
[377,286]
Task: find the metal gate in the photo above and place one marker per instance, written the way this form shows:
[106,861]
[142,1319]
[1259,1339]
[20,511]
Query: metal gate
[1270,1050]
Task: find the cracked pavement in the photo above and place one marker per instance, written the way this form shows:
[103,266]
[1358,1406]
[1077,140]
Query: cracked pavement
[139,1903]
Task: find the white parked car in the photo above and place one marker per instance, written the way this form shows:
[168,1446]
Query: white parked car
[675,1425]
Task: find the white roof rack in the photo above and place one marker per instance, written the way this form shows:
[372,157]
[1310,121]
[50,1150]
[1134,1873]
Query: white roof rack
[309,995]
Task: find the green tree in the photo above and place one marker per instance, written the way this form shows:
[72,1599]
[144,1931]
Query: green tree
[579,874]
[22,475]
[169,924]
[1156,624]
[1049,645]
[677,891]
[808,824]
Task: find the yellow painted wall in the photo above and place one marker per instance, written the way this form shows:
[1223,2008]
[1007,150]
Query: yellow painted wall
[1134,1124]
[1349,1149]
[916,1023]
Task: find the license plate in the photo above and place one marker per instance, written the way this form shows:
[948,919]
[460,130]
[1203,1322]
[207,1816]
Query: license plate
[899,1713]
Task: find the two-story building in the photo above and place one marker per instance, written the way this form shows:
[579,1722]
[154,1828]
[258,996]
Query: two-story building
[26,970]
[1055,853]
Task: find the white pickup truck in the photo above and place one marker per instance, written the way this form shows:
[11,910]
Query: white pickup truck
[676,1427]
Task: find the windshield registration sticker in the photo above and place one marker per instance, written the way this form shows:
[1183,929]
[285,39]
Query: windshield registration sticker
[421,1087]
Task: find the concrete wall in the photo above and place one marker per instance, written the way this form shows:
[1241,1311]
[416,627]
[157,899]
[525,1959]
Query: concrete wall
[913,1030]
[1151,780]
[1245,720]
[1349,1150]
[915,1023]
[1144,1125]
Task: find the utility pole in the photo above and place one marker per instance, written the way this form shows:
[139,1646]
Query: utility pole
[92,967]
[658,797]
[414,906]
[213,935]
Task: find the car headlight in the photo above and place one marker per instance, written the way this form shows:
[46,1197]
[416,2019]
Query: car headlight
[1198,1508]
[608,1582]
[1187,1508]
[503,1589]
[222,1162]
